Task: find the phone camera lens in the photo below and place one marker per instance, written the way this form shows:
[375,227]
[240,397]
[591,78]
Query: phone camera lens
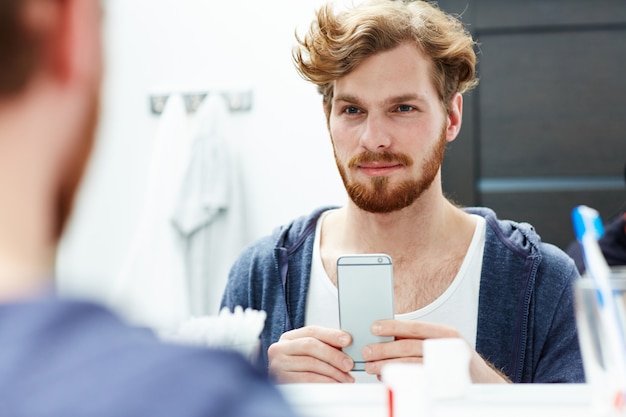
[380,260]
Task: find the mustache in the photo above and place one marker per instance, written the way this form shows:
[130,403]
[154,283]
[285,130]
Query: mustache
[385,156]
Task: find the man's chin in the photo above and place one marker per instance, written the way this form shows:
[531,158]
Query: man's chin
[374,203]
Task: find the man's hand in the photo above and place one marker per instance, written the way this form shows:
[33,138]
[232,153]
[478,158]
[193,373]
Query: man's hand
[408,347]
[311,354]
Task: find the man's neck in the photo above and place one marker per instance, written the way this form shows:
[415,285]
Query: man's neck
[423,228]
[27,250]
[27,244]
[22,279]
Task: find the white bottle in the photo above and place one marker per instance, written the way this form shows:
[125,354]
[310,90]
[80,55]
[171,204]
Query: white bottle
[407,389]
[446,362]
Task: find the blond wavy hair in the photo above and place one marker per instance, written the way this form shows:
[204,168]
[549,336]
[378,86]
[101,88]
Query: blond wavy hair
[337,42]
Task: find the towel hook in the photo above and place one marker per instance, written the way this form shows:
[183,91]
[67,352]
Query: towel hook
[236,100]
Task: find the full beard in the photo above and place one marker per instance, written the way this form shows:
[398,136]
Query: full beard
[378,196]
[76,169]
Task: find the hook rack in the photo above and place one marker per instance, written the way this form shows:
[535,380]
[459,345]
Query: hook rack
[237,101]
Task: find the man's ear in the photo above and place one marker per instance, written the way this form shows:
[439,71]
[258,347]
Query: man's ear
[454,117]
[46,21]
[68,33]
[84,39]
[326,108]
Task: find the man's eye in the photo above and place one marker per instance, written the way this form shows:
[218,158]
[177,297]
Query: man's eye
[351,110]
[404,108]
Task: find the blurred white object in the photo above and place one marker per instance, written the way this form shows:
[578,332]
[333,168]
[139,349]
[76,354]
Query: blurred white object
[446,362]
[408,389]
[150,289]
[208,213]
[238,330]
[593,338]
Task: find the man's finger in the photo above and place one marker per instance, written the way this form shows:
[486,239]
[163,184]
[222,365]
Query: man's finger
[333,337]
[409,329]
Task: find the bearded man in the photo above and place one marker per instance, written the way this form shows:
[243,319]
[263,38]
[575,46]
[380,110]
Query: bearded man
[392,76]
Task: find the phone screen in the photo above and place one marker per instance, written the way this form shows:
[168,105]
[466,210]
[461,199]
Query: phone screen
[365,288]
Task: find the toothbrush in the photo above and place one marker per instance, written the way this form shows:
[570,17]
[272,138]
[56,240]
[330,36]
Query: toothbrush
[588,227]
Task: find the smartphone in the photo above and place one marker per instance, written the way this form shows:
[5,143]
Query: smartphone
[365,289]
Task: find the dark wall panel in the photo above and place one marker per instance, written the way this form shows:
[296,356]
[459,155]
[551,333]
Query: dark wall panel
[514,14]
[552,104]
[545,130]
[550,213]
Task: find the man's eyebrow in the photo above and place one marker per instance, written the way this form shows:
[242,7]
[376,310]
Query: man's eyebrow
[348,98]
[405,97]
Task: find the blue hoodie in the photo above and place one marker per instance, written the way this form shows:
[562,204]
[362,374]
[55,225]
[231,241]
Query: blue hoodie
[73,358]
[526,322]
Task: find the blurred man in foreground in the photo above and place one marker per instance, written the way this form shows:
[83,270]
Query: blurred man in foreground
[62,357]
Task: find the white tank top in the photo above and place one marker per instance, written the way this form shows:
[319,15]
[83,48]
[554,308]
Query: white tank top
[456,307]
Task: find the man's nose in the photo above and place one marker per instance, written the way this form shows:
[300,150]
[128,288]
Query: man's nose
[376,133]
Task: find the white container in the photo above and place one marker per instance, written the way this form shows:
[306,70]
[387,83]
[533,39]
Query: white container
[407,389]
[446,362]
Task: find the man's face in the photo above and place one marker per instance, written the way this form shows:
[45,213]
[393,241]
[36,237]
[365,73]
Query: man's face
[389,130]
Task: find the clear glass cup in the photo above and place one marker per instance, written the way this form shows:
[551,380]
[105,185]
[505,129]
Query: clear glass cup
[599,371]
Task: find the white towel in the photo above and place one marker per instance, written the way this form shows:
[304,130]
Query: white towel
[209,212]
[151,289]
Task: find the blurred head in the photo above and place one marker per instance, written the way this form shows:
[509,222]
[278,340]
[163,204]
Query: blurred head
[337,42]
[59,41]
